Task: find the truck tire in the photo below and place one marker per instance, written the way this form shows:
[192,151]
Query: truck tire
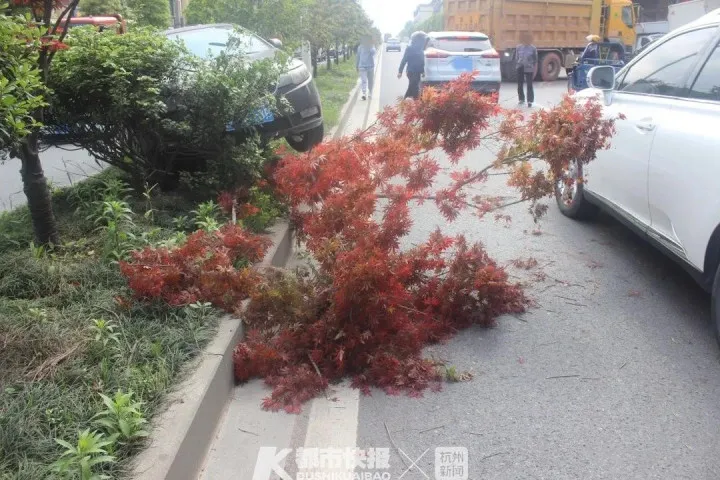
[550,65]
[509,74]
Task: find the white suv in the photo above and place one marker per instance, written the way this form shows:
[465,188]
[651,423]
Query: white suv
[450,54]
[661,175]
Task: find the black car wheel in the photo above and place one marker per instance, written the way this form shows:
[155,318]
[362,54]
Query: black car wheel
[715,306]
[570,196]
[305,141]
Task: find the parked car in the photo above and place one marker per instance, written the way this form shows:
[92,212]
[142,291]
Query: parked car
[450,54]
[393,45]
[303,128]
[660,175]
[646,40]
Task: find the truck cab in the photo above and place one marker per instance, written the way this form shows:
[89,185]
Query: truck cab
[618,21]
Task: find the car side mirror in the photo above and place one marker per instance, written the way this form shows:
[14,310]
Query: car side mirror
[602,78]
[276,43]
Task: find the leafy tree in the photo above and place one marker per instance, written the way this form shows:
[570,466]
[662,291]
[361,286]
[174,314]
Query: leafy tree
[284,19]
[102,7]
[323,23]
[155,13]
[28,148]
[432,24]
[21,88]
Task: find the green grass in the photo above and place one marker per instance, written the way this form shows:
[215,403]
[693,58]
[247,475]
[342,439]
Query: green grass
[52,368]
[334,86]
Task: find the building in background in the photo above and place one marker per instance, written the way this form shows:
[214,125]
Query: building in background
[426,10]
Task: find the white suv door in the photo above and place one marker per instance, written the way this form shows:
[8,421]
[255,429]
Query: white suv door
[646,93]
[685,165]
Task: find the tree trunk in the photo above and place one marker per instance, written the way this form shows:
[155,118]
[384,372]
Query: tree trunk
[314,60]
[337,53]
[328,59]
[37,192]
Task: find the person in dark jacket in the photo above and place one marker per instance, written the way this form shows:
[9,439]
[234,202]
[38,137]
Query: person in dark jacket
[526,58]
[414,59]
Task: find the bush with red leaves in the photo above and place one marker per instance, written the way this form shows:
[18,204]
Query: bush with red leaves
[374,306]
[212,267]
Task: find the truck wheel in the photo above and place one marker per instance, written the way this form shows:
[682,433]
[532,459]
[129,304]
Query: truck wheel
[509,74]
[550,65]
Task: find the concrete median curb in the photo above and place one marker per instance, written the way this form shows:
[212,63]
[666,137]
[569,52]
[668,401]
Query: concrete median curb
[338,130]
[183,433]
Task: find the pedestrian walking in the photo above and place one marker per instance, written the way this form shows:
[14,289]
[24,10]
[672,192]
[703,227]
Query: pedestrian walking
[526,59]
[365,64]
[414,59]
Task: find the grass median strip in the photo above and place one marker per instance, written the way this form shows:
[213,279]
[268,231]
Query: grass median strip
[82,363]
[334,86]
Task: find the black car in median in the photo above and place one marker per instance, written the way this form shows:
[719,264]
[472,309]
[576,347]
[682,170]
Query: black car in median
[303,128]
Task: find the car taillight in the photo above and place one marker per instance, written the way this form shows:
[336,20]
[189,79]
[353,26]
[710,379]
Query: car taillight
[492,53]
[432,53]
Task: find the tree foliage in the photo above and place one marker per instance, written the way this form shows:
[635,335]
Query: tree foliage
[21,89]
[39,15]
[433,24]
[321,22]
[101,7]
[154,13]
[374,303]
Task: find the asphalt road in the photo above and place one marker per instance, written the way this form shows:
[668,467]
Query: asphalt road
[614,374]
[62,167]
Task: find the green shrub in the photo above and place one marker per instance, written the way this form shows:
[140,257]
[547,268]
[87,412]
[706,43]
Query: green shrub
[142,103]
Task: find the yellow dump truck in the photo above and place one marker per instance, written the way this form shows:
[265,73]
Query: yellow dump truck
[559,27]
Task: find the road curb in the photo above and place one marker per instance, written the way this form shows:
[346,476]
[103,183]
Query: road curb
[337,131]
[181,435]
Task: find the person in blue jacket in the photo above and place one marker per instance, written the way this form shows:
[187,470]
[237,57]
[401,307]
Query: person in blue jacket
[414,59]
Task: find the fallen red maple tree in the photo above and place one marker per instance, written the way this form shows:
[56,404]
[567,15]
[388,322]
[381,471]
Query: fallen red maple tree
[372,306]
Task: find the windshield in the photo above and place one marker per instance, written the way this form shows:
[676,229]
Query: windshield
[627,16]
[209,42]
[452,44]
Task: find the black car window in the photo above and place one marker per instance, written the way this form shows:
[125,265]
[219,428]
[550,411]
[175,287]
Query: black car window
[664,69]
[707,83]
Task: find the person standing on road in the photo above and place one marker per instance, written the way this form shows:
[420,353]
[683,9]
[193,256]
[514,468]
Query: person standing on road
[526,58]
[365,64]
[414,59]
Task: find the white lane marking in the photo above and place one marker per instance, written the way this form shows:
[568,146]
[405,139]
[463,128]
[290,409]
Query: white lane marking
[333,421]
[374,107]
